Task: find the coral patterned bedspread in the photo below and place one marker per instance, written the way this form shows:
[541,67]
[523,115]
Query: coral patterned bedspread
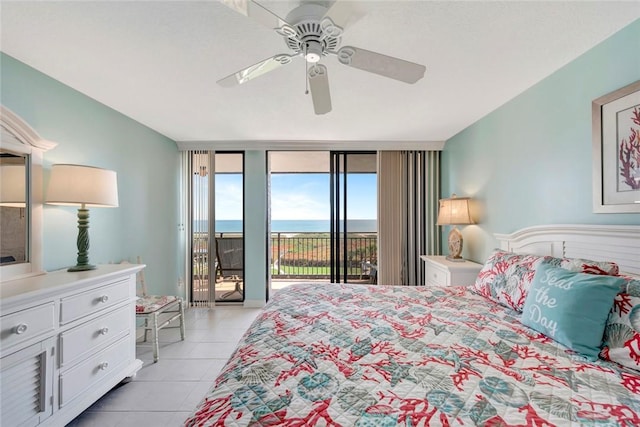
[356,355]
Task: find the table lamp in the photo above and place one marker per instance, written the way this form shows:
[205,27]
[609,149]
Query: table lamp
[454,211]
[84,186]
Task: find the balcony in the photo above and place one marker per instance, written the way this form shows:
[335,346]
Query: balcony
[307,256]
[296,257]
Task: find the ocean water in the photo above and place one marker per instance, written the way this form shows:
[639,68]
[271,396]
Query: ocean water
[291,226]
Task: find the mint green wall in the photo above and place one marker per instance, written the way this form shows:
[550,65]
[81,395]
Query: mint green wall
[255,227]
[529,162]
[90,133]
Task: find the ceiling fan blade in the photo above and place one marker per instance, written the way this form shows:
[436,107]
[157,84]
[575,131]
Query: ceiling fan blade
[345,13]
[255,70]
[319,85]
[256,11]
[387,66]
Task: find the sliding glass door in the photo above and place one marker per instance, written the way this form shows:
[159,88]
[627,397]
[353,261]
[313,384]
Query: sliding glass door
[353,216]
[311,193]
[229,227]
[298,217]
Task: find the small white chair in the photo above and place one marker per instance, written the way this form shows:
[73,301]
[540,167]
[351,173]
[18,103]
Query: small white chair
[150,307]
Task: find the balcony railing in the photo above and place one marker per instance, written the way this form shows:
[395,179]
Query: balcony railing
[307,255]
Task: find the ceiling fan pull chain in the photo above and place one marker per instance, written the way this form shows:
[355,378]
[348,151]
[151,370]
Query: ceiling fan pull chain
[306,72]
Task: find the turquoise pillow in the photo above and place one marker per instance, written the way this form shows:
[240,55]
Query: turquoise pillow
[571,308]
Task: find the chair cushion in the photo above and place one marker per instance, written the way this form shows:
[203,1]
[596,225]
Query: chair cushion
[152,303]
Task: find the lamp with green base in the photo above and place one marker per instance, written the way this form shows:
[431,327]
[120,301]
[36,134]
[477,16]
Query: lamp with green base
[84,186]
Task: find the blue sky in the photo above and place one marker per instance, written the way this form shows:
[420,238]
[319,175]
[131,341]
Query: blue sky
[299,196]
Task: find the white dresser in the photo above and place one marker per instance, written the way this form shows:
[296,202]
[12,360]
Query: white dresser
[441,272]
[66,339]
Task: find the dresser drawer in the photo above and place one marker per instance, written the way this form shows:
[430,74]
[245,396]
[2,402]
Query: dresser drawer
[25,324]
[85,338]
[89,302]
[436,276]
[93,370]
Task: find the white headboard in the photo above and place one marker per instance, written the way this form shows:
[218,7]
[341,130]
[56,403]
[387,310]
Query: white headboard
[617,243]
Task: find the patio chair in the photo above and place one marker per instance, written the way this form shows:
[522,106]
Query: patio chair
[367,268]
[230,262]
[151,307]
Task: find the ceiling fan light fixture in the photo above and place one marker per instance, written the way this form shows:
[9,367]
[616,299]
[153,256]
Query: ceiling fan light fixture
[313,51]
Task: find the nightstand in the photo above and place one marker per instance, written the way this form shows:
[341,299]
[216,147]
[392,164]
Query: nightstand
[441,272]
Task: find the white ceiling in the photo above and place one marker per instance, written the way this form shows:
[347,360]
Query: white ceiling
[157,62]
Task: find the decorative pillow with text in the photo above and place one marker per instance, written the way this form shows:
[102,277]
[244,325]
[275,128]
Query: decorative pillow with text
[571,308]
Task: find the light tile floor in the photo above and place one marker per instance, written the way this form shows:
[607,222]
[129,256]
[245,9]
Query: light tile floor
[165,393]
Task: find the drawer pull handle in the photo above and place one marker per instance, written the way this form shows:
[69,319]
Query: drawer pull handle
[104,365]
[104,331]
[104,298]
[20,329]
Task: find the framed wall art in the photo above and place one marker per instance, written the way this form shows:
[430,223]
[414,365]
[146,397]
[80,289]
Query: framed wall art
[616,151]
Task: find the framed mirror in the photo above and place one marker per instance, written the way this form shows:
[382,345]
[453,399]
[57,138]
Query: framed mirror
[21,150]
[14,221]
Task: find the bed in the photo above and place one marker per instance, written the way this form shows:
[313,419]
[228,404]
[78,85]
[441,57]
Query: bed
[362,355]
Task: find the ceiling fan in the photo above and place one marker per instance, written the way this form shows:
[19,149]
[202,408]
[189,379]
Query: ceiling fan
[313,31]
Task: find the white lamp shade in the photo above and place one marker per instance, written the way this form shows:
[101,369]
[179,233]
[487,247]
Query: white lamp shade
[74,185]
[13,186]
[454,211]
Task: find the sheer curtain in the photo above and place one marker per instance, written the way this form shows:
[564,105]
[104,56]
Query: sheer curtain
[408,193]
[198,199]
